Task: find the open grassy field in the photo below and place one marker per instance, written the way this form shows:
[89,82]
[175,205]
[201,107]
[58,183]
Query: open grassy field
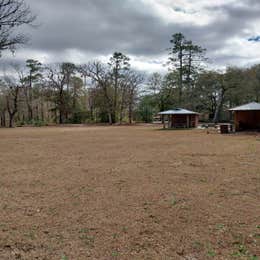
[128,193]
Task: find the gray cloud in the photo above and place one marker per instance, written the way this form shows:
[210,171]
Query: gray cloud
[100,27]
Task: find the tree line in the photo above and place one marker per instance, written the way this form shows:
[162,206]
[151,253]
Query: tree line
[212,92]
[66,93]
[189,83]
[113,92]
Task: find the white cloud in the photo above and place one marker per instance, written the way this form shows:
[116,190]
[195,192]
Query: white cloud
[150,64]
[187,11]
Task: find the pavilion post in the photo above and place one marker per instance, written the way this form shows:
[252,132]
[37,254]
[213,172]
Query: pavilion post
[163,119]
[188,121]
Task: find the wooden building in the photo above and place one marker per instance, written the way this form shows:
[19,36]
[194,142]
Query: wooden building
[247,117]
[180,118]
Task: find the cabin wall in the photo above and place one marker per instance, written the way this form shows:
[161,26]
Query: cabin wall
[184,121]
[247,120]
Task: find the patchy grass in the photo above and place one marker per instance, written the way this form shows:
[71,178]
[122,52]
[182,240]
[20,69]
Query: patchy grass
[128,193]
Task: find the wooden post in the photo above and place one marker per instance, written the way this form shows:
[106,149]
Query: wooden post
[163,119]
[196,120]
[187,121]
[236,121]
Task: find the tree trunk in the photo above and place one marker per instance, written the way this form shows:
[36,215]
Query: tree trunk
[219,106]
[114,116]
[30,113]
[28,98]
[3,119]
[12,110]
[42,110]
[11,120]
[181,75]
[92,113]
[60,117]
[130,114]
[110,105]
[122,107]
[121,116]
[62,112]
[110,118]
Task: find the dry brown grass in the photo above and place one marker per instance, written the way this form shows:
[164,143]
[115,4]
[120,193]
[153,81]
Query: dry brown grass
[128,193]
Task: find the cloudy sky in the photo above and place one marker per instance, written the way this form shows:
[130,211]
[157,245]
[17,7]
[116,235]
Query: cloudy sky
[81,30]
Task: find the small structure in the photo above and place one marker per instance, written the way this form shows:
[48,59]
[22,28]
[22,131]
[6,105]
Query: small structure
[247,117]
[180,118]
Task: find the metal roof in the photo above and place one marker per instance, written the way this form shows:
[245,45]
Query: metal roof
[247,107]
[178,111]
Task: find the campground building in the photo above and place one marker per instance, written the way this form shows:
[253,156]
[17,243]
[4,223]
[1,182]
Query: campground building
[247,117]
[180,118]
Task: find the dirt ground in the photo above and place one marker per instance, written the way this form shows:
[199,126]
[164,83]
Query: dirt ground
[128,193]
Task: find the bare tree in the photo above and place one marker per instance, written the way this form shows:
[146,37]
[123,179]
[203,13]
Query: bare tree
[90,92]
[33,76]
[3,108]
[57,82]
[101,77]
[12,90]
[13,13]
[134,80]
